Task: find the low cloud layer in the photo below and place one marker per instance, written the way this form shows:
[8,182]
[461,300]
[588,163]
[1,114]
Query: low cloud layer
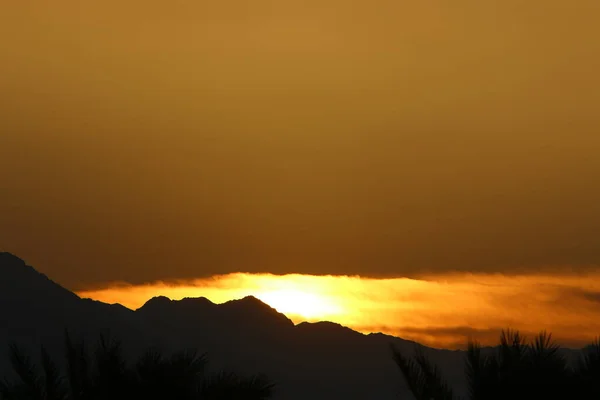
[441,310]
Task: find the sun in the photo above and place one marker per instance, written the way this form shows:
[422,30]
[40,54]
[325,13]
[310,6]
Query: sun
[301,304]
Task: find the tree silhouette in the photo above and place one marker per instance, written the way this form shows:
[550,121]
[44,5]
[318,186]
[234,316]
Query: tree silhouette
[587,372]
[106,375]
[423,378]
[31,384]
[516,370]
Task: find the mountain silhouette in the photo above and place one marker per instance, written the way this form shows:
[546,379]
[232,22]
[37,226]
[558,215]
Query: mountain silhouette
[35,310]
[321,360]
[248,310]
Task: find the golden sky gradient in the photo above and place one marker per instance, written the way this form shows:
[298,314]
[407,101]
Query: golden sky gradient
[145,141]
[151,140]
[442,311]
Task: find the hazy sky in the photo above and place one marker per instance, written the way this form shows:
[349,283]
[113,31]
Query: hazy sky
[144,140]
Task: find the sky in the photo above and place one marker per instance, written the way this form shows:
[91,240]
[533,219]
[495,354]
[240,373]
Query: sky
[442,311]
[148,141]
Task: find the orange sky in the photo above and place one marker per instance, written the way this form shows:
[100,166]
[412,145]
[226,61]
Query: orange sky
[159,140]
[442,311]
[145,141]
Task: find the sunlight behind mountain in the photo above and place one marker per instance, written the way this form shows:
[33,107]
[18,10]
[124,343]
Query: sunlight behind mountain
[442,311]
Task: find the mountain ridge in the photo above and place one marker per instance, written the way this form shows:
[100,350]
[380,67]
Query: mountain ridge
[319,360]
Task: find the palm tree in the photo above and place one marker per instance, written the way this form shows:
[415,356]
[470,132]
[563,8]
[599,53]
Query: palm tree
[423,378]
[182,376]
[231,386]
[587,372]
[481,374]
[32,385]
[517,370]
[78,369]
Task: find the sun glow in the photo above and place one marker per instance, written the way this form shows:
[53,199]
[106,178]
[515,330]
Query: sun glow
[441,311]
[298,303]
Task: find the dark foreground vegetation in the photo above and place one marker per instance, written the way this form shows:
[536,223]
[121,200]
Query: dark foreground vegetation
[104,375]
[516,369]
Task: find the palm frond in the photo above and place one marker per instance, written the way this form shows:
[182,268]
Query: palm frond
[257,387]
[587,371]
[150,364]
[78,368]
[481,372]
[186,370]
[190,363]
[544,355]
[543,346]
[413,375]
[227,385]
[435,386]
[26,371]
[53,381]
[153,377]
[111,375]
[589,364]
[473,370]
[513,347]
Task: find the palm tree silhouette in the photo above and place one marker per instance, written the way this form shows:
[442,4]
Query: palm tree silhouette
[423,377]
[516,370]
[587,372]
[106,375]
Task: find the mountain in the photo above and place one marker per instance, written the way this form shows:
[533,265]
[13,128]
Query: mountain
[36,310]
[310,360]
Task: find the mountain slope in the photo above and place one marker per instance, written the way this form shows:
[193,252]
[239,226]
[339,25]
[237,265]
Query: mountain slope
[310,360]
[36,310]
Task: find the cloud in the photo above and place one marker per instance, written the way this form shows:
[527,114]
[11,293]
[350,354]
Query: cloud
[592,296]
[439,310]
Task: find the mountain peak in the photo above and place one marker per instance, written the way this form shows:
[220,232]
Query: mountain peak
[326,326]
[253,308]
[9,260]
[249,302]
[159,300]
[252,300]
[15,272]
[24,292]
[197,300]
[163,302]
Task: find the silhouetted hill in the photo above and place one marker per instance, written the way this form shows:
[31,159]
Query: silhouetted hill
[248,310]
[254,311]
[35,310]
[19,282]
[310,360]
